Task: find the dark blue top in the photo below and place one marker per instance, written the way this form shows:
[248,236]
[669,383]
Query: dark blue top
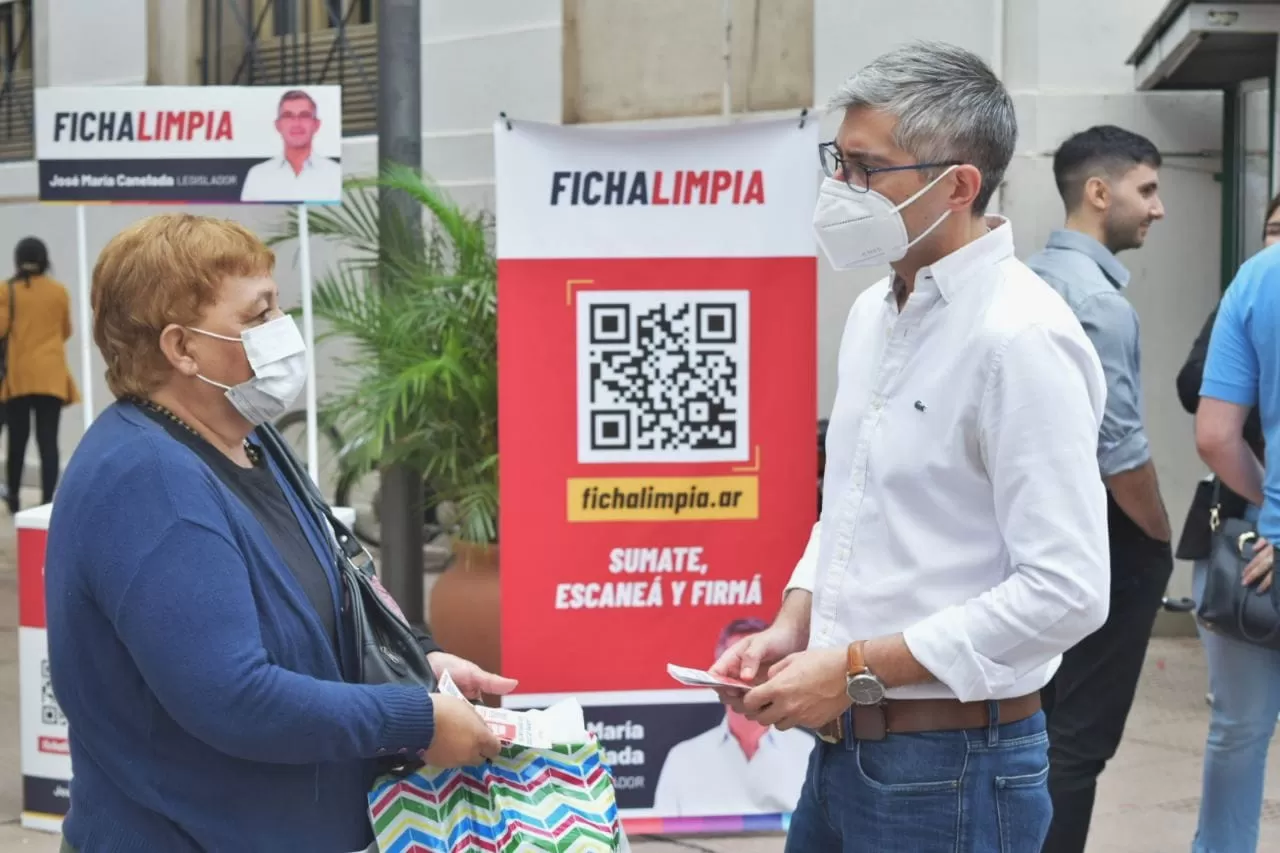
[207,708]
[1243,364]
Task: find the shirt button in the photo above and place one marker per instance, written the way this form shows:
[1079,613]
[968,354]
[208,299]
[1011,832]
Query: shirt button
[877,403]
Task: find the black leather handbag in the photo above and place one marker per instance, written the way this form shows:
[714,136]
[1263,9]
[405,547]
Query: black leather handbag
[4,342]
[388,650]
[1226,606]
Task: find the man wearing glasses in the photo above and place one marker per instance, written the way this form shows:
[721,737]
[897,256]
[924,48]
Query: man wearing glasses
[298,174]
[962,546]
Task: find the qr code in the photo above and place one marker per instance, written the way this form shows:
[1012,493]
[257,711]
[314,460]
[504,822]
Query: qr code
[50,710]
[662,375]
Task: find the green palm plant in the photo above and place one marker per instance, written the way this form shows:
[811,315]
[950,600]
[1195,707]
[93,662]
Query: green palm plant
[417,310]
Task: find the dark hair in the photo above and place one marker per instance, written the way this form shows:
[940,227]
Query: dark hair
[738,628]
[1101,150]
[297,95]
[1271,209]
[30,257]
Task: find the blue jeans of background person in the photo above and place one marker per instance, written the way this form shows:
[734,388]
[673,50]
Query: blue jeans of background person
[1245,682]
[976,790]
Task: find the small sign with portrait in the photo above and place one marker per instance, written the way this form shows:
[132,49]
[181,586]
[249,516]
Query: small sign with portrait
[211,144]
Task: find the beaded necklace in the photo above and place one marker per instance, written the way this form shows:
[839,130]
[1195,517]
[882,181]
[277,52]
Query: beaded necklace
[255,455]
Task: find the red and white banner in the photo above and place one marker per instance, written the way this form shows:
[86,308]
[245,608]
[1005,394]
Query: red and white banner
[46,756]
[657,418]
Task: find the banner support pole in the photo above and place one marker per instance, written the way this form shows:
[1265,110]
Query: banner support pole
[309,336]
[726,94]
[85,322]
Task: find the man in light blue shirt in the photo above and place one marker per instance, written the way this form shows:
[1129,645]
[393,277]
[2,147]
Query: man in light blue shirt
[1108,180]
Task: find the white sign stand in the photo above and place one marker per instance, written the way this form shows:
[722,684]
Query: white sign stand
[309,335]
[86,323]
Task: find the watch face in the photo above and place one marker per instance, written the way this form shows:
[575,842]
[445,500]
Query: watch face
[865,689]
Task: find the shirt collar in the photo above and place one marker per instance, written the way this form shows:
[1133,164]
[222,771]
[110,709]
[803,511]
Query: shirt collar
[283,163]
[947,275]
[726,736]
[1076,241]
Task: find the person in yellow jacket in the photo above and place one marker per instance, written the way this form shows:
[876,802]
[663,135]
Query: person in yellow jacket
[37,380]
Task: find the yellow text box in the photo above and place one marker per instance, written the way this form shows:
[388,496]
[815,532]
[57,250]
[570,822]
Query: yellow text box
[663,498]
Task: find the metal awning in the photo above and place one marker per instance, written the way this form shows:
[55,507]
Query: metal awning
[1202,45]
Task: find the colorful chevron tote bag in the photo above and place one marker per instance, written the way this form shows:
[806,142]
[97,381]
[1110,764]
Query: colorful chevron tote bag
[557,800]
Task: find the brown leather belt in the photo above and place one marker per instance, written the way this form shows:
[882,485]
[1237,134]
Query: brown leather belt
[905,716]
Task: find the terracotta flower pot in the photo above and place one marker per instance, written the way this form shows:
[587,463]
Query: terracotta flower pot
[463,613]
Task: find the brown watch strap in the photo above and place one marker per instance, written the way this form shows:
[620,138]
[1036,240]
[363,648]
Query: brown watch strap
[857,665]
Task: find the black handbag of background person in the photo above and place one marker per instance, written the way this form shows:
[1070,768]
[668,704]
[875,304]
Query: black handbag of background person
[4,342]
[388,651]
[1227,607]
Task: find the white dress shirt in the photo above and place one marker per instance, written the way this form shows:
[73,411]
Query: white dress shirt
[274,180]
[710,775]
[962,505]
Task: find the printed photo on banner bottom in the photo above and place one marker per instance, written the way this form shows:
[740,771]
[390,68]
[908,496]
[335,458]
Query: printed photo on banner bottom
[673,758]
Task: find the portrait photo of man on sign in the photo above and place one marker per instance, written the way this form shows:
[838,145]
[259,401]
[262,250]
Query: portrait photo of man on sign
[737,767]
[299,173]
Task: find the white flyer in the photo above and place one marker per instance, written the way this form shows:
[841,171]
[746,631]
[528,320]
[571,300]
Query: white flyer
[702,678]
[518,728]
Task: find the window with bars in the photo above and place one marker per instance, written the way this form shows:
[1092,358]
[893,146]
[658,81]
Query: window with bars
[15,41]
[296,43]
[291,17]
[17,99]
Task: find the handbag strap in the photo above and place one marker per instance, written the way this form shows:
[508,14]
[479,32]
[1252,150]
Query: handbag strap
[8,333]
[309,494]
[1215,505]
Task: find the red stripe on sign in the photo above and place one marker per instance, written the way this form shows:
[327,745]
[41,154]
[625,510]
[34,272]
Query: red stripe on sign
[55,745]
[31,547]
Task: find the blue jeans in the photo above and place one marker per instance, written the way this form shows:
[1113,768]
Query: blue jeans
[1245,683]
[973,791]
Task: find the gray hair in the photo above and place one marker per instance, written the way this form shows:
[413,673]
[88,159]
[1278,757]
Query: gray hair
[949,104]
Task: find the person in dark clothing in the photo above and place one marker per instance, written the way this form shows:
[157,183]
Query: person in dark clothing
[1194,542]
[1109,183]
[1244,679]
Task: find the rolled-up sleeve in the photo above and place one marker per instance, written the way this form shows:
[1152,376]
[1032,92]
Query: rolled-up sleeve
[1112,326]
[1038,424]
[1231,366]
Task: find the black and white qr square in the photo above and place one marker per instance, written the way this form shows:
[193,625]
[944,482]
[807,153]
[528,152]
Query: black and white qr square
[610,430]
[610,324]
[663,376]
[50,711]
[717,324]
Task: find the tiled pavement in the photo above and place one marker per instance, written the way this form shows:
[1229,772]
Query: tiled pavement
[1147,801]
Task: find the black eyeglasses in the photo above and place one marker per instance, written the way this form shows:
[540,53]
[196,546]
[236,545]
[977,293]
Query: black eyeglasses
[858,176]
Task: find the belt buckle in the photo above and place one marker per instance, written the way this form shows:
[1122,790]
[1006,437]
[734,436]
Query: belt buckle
[832,732]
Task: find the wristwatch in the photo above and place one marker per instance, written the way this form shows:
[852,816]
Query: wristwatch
[862,685]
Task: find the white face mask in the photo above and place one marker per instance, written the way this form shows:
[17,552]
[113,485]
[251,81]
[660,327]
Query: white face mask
[864,229]
[278,356]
